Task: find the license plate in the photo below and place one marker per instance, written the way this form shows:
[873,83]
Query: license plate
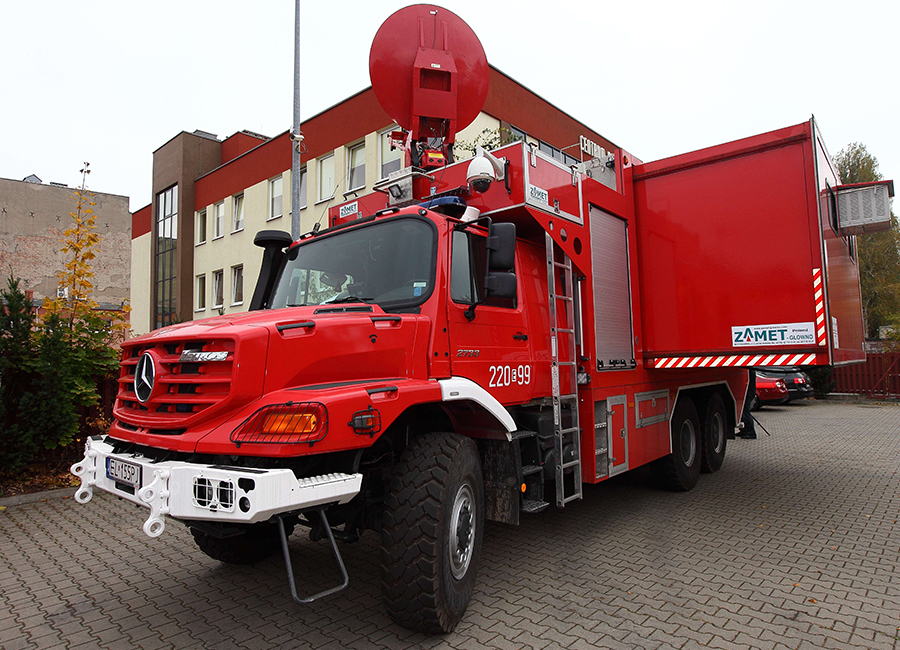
[123,472]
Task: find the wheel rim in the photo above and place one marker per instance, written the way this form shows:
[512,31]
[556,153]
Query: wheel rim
[462,531]
[688,443]
[718,433]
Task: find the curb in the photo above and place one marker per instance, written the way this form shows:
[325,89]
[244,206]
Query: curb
[22,499]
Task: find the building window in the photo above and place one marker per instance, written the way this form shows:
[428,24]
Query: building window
[357,171]
[201,227]
[218,288]
[302,200]
[201,293]
[276,195]
[219,224]
[166,247]
[391,160]
[559,155]
[516,134]
[326,177]
[237,285]
[238,218]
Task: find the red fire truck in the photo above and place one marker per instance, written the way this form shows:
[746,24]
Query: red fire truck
[483,339]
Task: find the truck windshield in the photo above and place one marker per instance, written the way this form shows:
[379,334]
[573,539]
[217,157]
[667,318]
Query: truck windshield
[391,263]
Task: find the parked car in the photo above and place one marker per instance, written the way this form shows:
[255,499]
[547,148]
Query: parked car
[769,391]
[796,381]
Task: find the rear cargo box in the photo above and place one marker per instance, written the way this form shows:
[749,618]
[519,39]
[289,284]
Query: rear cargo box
[741,259]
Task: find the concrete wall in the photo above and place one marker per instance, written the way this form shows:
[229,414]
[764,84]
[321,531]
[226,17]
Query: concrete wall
[33,218]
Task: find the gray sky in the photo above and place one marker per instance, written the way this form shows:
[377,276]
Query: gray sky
[110,81]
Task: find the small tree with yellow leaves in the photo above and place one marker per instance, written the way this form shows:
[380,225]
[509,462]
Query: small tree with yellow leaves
[77,341]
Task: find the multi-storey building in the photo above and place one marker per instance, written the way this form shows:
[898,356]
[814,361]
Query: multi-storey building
[192,248]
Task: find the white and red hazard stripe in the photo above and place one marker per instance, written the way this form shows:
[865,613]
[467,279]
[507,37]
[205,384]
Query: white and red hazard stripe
[819,293]
[736,360]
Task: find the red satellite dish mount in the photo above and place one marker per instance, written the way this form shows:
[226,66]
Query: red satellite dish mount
[430,74]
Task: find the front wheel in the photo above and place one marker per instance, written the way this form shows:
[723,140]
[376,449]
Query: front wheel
[680,470]
[431,533]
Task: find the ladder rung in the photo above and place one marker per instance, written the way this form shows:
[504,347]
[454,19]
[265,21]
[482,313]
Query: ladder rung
[569,430]
[571,463]
[567,330]
[562,265]
[571,498]
[565,363]
[566,298]
[528,470]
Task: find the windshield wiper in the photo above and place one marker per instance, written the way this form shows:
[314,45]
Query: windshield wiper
[348,299]
[299,304]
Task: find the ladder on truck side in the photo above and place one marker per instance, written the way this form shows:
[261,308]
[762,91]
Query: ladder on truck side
[564,373]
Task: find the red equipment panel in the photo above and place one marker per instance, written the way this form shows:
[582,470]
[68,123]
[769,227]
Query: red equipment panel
[731,257]
[357,208]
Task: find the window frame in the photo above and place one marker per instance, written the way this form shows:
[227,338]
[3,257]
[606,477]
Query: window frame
[218,220]
[304,187]
[218,287]
[200,296]
[350,151]
[237,205]
[201,231]
[319,163]
[271,194]
[237,269]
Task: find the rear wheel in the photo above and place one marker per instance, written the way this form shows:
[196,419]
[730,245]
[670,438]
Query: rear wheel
[680,470]
[714,434]
[431,537]
[255,544]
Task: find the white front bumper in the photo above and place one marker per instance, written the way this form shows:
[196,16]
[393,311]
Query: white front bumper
[209,492]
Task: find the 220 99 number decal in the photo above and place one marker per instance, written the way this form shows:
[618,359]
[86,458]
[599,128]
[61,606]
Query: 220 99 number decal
[509,375]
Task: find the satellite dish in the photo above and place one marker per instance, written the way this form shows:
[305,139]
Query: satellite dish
[429,71]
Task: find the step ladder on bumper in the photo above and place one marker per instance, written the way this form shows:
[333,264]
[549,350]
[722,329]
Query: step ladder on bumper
[564,374]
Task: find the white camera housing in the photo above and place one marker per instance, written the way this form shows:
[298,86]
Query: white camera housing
[484,169]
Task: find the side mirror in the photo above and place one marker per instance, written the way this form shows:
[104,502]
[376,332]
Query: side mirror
[274,242]
[501,246]
[501,284]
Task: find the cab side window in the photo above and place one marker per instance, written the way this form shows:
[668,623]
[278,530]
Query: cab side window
[467,268]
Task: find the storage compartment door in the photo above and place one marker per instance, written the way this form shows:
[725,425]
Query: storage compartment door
[617,429]
[612,291]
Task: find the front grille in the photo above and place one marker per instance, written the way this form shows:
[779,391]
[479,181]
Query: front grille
[182,390]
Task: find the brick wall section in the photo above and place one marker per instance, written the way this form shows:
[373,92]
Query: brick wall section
[33,218]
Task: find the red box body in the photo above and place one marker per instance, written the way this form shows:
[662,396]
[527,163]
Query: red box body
[720,246]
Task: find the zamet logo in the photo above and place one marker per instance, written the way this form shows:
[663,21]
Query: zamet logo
[780,334]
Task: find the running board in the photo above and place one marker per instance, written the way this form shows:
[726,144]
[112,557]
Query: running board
[290,568]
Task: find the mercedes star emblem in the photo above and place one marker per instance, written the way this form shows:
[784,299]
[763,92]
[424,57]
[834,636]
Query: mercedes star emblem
[144,375]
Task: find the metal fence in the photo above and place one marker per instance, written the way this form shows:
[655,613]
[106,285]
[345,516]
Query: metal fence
[879,376]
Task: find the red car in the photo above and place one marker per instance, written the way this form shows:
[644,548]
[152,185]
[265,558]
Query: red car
[769,391]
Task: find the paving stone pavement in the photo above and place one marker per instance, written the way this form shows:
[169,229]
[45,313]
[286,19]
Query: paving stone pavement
[794,544]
